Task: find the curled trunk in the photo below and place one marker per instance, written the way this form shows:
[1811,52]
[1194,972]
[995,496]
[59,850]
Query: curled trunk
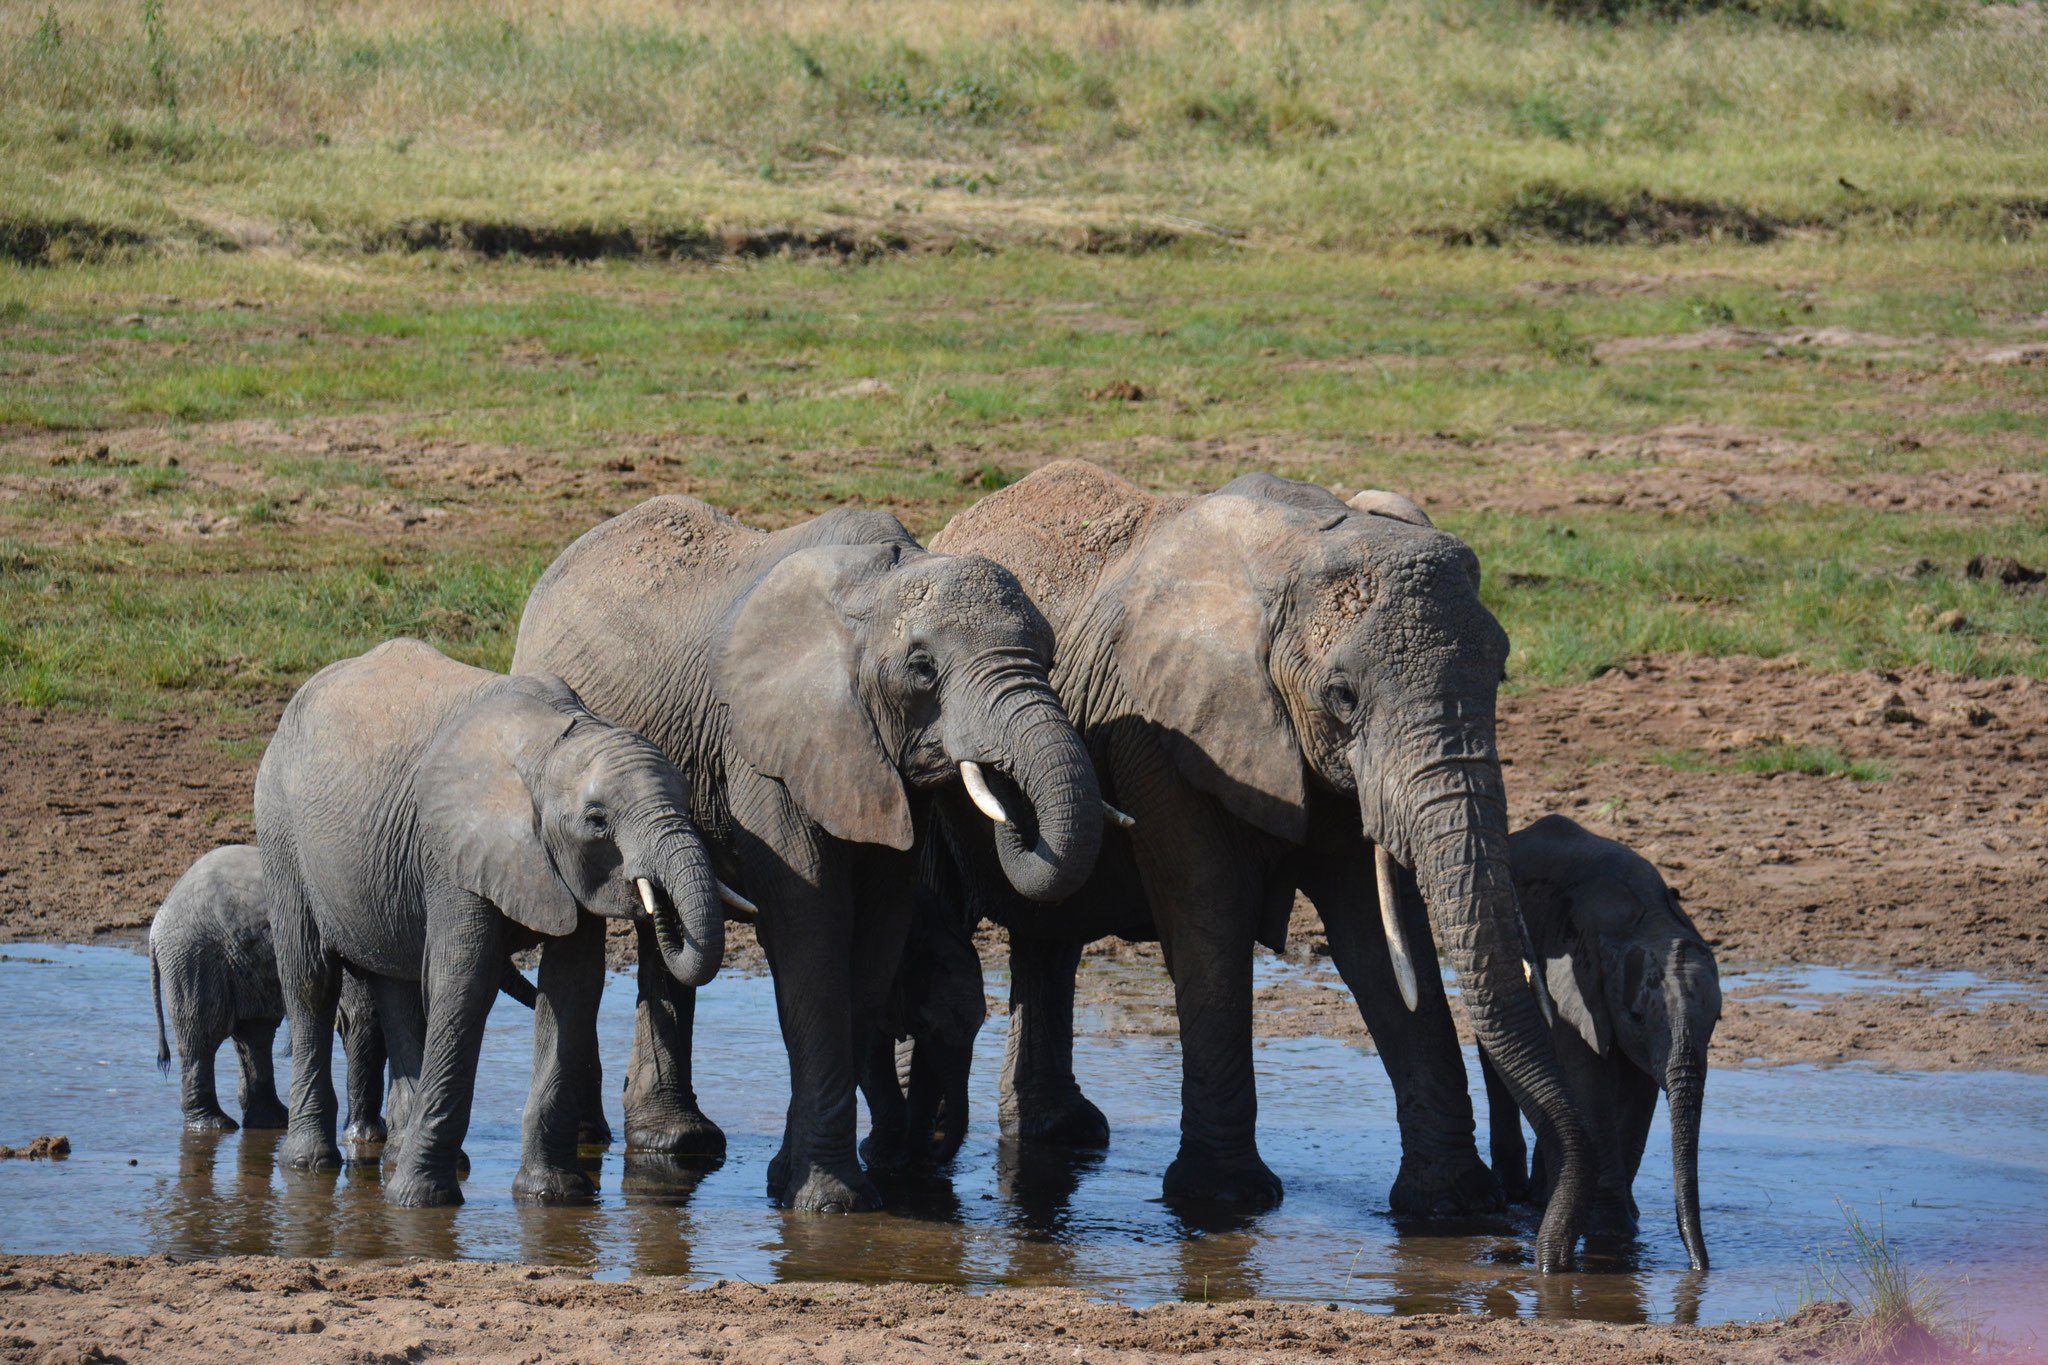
[1050,765]
[688,917]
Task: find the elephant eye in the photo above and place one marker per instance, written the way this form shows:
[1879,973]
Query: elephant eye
[1339,698]
[597,819]
[922,670]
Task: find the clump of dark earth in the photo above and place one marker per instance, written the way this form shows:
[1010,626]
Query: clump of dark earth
[2016,576]
[43,1148]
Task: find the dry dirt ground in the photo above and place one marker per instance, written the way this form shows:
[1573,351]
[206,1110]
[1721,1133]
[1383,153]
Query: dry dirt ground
[1944,864]
[109,1308]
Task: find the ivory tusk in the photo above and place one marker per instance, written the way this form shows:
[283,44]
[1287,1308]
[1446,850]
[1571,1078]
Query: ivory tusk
[1537,984]
[646,894]
[984,799]
[1397,947]
[1117,817]
[742,908]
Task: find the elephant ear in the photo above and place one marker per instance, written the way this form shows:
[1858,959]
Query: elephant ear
[1193,643]
[1571,968]
[788,673]
[478,819]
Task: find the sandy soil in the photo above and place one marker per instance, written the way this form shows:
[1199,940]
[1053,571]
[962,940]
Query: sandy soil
[108,1308]
[1942,865]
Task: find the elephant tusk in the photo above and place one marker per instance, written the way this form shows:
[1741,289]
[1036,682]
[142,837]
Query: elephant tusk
[1397,948]
[1536,984]
[742,908]
[1117,817]
[646,895]
[984,799]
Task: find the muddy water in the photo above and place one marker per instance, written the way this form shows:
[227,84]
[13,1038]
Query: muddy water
[1957,1162]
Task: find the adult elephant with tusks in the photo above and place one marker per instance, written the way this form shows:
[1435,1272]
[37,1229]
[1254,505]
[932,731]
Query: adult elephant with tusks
[1286,693]
[832,689]
[419,820]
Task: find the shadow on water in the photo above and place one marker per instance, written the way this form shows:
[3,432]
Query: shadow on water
[1958,1160]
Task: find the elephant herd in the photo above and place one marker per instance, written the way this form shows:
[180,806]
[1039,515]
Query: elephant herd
[1085,710]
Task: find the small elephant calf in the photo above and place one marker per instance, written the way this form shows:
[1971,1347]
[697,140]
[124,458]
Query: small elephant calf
[210,955]
[1637,996]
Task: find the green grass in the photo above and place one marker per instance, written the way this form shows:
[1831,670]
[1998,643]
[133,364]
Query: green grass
[1813,760]
[630,126]
[1897,1314]
[220,472]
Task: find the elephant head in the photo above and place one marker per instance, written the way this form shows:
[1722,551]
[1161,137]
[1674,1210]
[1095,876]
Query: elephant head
[1283,643]
[529,801]
[854,672]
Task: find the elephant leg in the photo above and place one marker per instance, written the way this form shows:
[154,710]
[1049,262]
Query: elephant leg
[261,1108]
[661,1105]
[1636,1105]
[1505,1143]
[883,1083]
[362,1042]
[1208,946]
[881,933]
[1441,1174]
[558,1098]
[198,1095]
[464,961]
[1590,1078]
[311,980]
[402,1031]
[1039,1099]
[936,1098]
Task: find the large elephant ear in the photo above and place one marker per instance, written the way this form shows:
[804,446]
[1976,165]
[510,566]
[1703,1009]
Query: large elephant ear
[478,817]
[1193,644]
[1572,969]
[788,673]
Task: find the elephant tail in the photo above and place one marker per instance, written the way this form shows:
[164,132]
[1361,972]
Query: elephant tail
[156,995]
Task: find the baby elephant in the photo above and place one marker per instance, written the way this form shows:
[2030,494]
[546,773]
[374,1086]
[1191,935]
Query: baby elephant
[1637,997]
[421,820]
[209,952]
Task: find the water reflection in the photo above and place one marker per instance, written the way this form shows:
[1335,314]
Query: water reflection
[1960,1159]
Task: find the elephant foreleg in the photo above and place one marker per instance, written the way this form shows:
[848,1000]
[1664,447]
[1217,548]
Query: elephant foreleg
[464,959]
[311,981]
[1505,1142]
[661,1104]
[198,1095]
[1039,1099]
[558,1099]
[254,1040]
[1441,1173]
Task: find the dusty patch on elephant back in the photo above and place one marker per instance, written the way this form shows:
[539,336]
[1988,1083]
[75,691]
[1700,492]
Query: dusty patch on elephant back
[150,1308]
[98,817]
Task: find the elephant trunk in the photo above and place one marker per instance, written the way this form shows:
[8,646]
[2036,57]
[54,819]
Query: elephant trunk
[688,916]
[1050,765]
[1685,1083]
[1455,838]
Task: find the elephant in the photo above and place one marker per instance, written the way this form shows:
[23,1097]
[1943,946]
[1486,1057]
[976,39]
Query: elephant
[210,941]
[1637,997]
[1284,693]
[833,689]
[420,820]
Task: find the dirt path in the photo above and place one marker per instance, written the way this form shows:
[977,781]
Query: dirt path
[108,1308]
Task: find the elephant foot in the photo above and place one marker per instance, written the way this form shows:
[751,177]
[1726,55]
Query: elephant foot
[887,1153]
[1514,1186]
[1245,1183]
[1440,1189]
[549,1185]
[304,1151]
[266,1115]
[215,1122]
[820,1189]
[1070,1120]
[366,1133]
[688,1135]
[596,1131]
[420,1190]
[1612,1218]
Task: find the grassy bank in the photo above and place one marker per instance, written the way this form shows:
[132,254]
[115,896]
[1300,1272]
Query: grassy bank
[635,127]
[219,472]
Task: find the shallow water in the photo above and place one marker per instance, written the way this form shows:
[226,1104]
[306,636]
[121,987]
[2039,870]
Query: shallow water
[1807,986]
[1957,1163]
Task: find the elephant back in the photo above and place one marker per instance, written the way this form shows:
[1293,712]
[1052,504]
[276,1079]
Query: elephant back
[1057,529]
[216,923]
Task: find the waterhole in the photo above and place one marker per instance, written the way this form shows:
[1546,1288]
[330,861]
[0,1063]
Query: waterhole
[1955,1164]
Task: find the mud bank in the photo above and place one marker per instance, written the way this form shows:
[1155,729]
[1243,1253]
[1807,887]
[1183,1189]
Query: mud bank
[84,1307]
